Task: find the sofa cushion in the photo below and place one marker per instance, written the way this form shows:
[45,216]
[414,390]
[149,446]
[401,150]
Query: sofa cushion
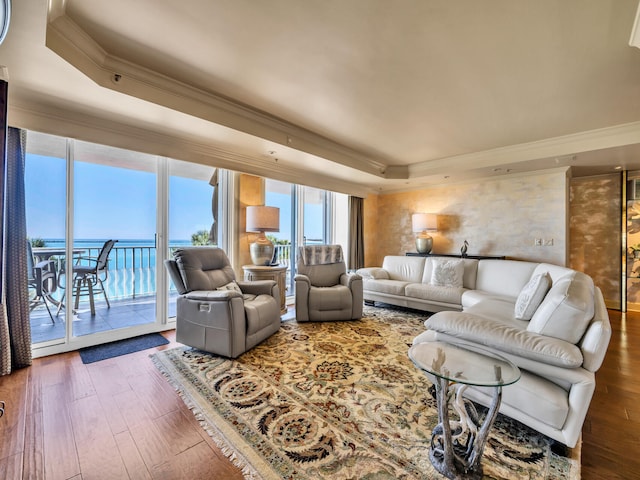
[567,309]
[498,309]
[408,269]
[536,396]
[506,338]
[447,272]
[391,287]
[503,277]
[472,297]
[434,293]
[554,271]
[531,296]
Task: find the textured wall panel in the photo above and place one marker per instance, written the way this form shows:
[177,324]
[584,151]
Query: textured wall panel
[595,232]
[500,216]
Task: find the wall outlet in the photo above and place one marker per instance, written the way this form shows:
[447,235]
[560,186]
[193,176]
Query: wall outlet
[548,242]
[537,242]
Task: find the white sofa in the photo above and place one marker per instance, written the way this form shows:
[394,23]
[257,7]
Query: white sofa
[558,349]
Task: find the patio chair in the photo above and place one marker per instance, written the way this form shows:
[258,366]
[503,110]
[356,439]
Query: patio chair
[324,289]
[89,275]
[41,279]
[216,313]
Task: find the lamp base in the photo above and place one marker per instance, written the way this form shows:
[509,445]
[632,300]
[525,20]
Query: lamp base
[262,251]
[424,243]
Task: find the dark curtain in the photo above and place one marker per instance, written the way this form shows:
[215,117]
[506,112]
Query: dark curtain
[16,350]
[5,352]
[356,233]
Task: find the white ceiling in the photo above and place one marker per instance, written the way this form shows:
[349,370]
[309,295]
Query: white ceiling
[353,95]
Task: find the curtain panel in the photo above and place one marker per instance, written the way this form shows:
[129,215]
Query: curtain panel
[5,353]
[15,329]
[356,233]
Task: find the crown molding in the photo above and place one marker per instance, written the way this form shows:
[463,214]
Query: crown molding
[76,46]
[68,40]
[564,170]
[72,124]
[590,140]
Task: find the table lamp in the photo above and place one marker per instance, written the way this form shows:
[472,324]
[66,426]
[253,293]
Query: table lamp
[423,223]
[262,219]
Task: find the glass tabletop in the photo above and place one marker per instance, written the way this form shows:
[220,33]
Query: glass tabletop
[469,365]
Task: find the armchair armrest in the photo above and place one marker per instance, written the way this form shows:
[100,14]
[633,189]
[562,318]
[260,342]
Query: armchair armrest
[213,295]
[302,278]
[354,282]
[260,287]
[303,285]
[348,279]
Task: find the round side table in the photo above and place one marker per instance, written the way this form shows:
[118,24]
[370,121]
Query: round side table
[457,445]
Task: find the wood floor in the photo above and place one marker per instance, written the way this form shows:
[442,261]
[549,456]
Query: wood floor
[119,418]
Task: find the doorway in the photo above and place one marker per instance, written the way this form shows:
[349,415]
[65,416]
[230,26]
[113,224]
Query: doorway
[79,196]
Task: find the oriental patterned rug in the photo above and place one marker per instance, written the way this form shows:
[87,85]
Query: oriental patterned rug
[339,400]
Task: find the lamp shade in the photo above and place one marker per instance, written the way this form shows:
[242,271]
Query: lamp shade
[263,219]
[424,221]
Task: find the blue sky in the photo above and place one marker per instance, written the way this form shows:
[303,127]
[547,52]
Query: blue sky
[110,202]
[120,203]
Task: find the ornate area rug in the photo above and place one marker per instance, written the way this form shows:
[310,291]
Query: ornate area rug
[339,400]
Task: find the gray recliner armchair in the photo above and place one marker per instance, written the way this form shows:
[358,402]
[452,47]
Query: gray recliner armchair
[324,289]
[216,313]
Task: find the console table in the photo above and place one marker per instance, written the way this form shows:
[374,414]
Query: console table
[457,445]
[277,273]
[476,257]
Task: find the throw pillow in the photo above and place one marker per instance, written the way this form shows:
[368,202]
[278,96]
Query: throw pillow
[230,286]
[447,272]
[531,296]
[567,309]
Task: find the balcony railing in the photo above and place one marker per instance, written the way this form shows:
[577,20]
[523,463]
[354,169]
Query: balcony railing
[282,255]
[132,269]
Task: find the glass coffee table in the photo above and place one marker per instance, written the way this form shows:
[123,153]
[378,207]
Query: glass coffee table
[457,445]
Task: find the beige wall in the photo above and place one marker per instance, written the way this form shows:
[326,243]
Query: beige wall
[501,216]
[595,232]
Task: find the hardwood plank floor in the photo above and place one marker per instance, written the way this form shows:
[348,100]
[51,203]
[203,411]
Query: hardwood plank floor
[119,418]
[611,432]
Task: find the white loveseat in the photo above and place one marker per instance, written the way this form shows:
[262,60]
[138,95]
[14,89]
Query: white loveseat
[559,345]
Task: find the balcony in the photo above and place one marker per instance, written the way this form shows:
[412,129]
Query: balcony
[131,288]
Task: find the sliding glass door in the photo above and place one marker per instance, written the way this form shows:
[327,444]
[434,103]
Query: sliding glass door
[113,272]
[315,227]
[46,207]
[194,198]
[80,198]
[305,218]
[103,220]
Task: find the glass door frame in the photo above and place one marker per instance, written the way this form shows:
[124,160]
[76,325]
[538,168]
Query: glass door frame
[161,322]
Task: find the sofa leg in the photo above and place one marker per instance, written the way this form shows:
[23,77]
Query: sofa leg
[370,303]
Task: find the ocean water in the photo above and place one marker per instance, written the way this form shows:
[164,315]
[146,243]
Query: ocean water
[125,254]
[132,264]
